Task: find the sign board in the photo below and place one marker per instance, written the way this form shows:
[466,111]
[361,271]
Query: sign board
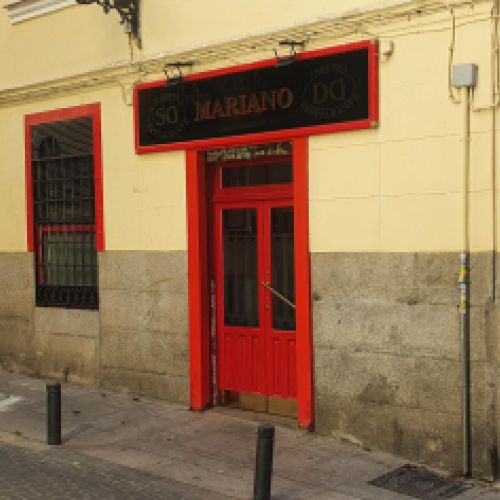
[335,87]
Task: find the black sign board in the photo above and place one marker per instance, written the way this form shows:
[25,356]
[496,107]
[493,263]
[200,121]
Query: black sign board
[329,89]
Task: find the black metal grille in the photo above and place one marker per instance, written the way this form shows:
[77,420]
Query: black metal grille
[64,213]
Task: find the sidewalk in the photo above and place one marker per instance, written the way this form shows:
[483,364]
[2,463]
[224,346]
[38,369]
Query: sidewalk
[212,451]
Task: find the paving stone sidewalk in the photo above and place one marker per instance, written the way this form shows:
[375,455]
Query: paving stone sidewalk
[135,447]
[61,473]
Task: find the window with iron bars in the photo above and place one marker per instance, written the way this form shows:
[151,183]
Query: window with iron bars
[64,215]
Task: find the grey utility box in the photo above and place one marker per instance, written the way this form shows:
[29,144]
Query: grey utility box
[464,75]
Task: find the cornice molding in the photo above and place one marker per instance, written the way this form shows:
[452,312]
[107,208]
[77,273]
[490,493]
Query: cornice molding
[22,10]
[348,26]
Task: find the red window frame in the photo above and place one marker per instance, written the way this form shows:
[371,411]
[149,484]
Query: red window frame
[92,111]
[67,295]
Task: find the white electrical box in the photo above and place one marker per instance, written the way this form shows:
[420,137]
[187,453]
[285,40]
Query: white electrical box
[464,75]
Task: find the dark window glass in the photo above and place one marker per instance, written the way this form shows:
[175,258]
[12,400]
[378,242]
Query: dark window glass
[64,213]
[69,258]
[240,267]
[256,175]
[282,264]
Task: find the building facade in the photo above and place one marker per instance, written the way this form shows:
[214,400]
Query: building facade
[291,207]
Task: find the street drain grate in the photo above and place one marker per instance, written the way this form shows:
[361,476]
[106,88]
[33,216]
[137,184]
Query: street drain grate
[418,482]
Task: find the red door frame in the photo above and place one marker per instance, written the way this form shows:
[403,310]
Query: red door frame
[198,286]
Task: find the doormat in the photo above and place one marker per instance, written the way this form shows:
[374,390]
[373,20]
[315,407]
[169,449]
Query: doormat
[418,482]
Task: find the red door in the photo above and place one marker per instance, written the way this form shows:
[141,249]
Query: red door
[255,284]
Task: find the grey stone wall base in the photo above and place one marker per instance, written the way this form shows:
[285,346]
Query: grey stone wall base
[421,435]
[385,333]
[59,343]
[66,343]
[144,328]
[387,354]
[137,341]
[147,383]
[17,302]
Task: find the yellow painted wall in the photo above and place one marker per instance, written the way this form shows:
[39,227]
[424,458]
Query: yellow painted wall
[80,38]
[12,183]
[394,189]
[61,43]
[398,188]
[212,22]
[144,196]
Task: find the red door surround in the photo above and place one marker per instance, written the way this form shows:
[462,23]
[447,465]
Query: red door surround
[295,360]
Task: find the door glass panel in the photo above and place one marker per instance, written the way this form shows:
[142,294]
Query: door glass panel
[282,266]
[240,267]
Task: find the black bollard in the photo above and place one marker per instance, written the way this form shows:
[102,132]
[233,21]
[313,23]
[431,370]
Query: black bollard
[264,463]
[54,413]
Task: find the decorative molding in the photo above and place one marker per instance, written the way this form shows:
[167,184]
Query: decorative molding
[22,10]
[345,27]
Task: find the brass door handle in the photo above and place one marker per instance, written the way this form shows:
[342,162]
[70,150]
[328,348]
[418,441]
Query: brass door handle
[267,285]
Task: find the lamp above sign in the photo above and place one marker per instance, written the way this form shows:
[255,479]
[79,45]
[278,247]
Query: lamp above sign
[322,91]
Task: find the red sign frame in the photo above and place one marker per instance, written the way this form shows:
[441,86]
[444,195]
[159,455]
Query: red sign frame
[284,134]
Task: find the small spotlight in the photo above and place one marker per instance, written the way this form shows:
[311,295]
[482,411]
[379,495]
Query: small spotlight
[292,56]
[172,80]
[281,62]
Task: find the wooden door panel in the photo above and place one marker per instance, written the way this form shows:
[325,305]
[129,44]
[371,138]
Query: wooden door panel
[282,372]
[241,370]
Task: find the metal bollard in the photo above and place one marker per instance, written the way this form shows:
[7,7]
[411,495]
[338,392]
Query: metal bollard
[54,413]
[264,462]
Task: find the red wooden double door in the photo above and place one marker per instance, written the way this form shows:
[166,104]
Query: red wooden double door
[254,277]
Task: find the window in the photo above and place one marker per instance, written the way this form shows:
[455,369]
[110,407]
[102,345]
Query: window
[65,193]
